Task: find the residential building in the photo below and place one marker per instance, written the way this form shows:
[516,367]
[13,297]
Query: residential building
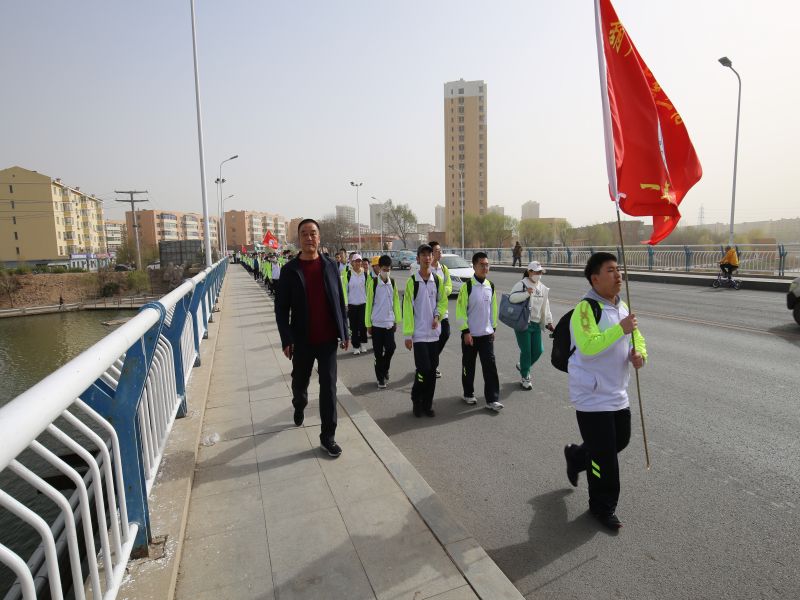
[43,220]
[291,232]
[424,228]
[116,233]
[248,227]
[496,209]
[530,210]
[375,211]
[439,218]
[346,213]
[465,151]
[153,226]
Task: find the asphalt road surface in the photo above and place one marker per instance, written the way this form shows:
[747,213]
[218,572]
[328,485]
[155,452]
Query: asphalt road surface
[717,515]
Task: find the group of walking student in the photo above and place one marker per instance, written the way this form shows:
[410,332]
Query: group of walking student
[322,304]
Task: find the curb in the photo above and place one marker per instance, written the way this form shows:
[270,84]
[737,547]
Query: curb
[477,567]
[156,576]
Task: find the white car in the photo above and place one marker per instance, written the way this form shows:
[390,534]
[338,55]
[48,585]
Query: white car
[460,270]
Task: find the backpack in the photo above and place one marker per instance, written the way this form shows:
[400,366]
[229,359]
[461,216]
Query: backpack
[562,348]
[435,278]
[391,279]
[469,287]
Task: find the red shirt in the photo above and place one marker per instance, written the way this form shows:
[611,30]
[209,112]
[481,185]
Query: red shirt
[321,326]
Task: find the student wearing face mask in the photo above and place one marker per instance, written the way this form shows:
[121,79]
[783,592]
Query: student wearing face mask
[381,318]
[531,289]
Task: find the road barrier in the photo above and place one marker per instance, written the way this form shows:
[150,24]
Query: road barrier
[90,437]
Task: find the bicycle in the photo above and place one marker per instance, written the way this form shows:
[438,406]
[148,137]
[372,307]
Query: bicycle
[724,280]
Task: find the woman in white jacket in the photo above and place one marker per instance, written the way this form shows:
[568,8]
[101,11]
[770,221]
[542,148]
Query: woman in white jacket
[530,289]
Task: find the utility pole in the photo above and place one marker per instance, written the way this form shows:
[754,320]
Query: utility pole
[133,201]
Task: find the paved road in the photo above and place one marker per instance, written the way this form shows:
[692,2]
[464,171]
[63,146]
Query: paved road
[717,516]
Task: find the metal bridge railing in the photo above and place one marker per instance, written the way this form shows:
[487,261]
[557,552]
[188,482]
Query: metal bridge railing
[81,449]
[756,259]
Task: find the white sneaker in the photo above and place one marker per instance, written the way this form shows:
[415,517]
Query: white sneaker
[470,399]
[525,382]
[381,385]
[438,374]
[495,406]
[356,351]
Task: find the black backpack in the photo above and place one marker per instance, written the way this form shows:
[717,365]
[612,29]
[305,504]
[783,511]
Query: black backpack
[562,348]
[416,285]
[469,287]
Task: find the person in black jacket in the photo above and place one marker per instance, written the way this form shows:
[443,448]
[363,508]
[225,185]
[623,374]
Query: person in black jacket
[312,280]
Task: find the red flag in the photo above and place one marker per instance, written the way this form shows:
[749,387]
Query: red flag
[270,240]
[244,250]
[654,161]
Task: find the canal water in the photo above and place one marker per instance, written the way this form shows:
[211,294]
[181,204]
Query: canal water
[31,348]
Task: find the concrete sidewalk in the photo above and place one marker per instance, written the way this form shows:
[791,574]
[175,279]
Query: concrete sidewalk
[272,516]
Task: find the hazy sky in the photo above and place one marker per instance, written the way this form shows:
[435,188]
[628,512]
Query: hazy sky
[313,94]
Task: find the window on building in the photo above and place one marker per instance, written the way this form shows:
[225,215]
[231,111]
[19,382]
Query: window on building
[13,220]
[460,128]
[16,235]
[461,138]
[10,188]
[461,147]
[460,157]
[461,110]
[12,205]
[480,88]
[461,100]
[480,127]
[460,119]
[460,90]
[461,166]
[480,108]
[17,250]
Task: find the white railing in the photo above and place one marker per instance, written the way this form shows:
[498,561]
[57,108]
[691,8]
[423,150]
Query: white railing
[81,449]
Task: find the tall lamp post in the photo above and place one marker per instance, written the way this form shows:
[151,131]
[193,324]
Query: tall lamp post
[383,209]
[221,181]
[461,196]
[726,62]
[224,234]
[358,212]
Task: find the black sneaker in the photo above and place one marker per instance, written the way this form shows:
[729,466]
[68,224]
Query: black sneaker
[298,416]
[608,520]
[572,472]
[332,448]
[430,413]
[417,411]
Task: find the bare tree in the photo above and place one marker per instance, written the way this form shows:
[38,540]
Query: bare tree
[9,284]
[401,221]
[335,232]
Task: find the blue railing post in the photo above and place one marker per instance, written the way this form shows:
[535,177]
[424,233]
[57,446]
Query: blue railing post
[569,256]
[121,409]
[650,257]
[197,297]
[688,258]
[549,257]
[174,333]
[530,255]
[781,260]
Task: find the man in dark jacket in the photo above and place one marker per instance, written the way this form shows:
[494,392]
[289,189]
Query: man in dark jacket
[312,281]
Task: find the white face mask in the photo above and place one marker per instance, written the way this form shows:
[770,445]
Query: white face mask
[535,277]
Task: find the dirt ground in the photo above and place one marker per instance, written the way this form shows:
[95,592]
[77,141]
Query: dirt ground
[45,288]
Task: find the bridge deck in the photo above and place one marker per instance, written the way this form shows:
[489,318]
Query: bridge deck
[272,516]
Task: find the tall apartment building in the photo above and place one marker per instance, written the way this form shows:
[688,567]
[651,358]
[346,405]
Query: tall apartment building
[439,218]
[496,209]
[155,226]
[347,213]
[116,233]
[530,210]
[375,211]
[43,221]
[465,134]
[247,227]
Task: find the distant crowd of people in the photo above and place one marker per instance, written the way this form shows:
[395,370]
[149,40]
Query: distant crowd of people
[324,304]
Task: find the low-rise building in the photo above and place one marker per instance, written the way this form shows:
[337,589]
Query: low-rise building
[247,227]
[116,234]
[153,226]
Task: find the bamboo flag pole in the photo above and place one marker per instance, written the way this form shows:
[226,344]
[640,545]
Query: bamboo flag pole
[612,182]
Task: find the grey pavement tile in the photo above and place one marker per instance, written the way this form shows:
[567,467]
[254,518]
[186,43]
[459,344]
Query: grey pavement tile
[229,412]
[223,559]
[462,593]
[229,430]
[313,557]
[407,565]
[263,387]
[233,452]
[285,455]
[218,396]
[253,589]
[383,516]
[483,574]
[224,478]
[360,481]
[440,520]
[217,513]
[277,414]
[300,495]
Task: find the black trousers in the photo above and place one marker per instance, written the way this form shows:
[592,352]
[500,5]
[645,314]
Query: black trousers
[517,259]
[384,346]
[302,364]
[426,359]
[728,269]
[444,335]
[358,329]
[484,346]
[604,434]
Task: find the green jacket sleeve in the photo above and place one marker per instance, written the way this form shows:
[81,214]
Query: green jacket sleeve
[448,282]
[408,309]
[370,301]
[461,308]
[441,305]
[641,346]
[494,309]
[344,285]
[398,312]
[588,337]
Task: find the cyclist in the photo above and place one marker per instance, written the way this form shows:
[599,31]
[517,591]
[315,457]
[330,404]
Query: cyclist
[729,262]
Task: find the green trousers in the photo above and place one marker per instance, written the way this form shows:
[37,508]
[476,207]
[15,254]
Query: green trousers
[531,347]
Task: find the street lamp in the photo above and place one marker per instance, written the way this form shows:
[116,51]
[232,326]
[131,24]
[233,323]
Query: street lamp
[223,235]
[461,196]
[358,212]
[219,183]
[726,62]
[224,248]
